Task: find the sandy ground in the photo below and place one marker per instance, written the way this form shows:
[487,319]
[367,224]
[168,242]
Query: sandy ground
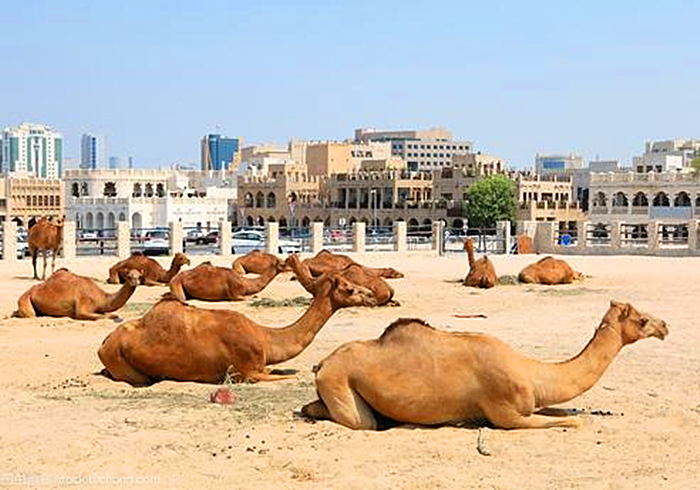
[62,424]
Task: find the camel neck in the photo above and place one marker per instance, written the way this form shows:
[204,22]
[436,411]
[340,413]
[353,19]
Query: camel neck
[254,286]
[303,274]
[118,299]
[290,341]
[470,254]
[171,272]
[560,382]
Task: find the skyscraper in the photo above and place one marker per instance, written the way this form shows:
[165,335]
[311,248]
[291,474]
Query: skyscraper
[32,149]
[219,152]
[92,151]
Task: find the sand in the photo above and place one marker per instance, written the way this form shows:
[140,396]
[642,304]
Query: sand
[63,424]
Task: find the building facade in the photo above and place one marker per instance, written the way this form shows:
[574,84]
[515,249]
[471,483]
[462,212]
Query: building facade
[32,149]
[666,156]
[24,198]
[219,152]
[558,163]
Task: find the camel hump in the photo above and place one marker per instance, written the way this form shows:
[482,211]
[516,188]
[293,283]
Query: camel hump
[168,297]
[137,254]
[399,325]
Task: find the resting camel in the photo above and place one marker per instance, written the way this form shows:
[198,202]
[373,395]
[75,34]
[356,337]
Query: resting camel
[44,235]
[549,271]
[257,262]
[354,273]
[326,261]
[482,273]
[414,373]
[184,343]
[525,245]
[211,283]
[78,297]
[152,273]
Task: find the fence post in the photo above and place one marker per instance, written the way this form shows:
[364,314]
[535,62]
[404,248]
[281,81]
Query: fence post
[544,237]
[616,235]
[224,237]
[400,236]
[316,236]
[581,235]
[693,235]
[503,234]
[653,233]
[358,236]
[272,237]
[9,240]
[69,239]
[175,237]
[123,239]
[438,236]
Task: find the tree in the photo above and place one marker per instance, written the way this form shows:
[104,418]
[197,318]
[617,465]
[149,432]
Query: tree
[490,200]
[695,165]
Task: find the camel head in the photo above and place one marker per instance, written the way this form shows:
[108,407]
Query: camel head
[343,293]
[633,325]
[391,273]
[180,259]
[292,259]
[468,244]
[133,277]
[57,221]
[282,265]
[578,276]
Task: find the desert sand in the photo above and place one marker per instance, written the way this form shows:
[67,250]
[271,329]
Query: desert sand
[61,423]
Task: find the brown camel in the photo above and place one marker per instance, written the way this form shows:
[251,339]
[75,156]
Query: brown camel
[181,342]
[43,236]
[211,283]
[550,271]
[482,273]
[525,245]
[257,262]
[78,297]
[416,374]
[152,273]
[354,273]
[326,261]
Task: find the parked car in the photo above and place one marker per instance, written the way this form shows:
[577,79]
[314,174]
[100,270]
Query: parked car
[22,248]
[243,242]
[87,235]
[193,235]
[156,242]
[211,237]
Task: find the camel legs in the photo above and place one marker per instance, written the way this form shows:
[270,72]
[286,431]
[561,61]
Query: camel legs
[265,376]
[35,254]
[506,417]
[53,260]
[344,405]
[25,308]
[117,367]
[45,254]
[316,410]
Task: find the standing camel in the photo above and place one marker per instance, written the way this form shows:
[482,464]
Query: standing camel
[414,373]
[482,273]
[45,235]
[184,343]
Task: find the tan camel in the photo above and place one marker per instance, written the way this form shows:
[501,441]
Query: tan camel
[181,342]
[416,374]
[326,261]
[525,245]
[482,273]
[211,283]
[354,273]
[152,273]
[74,296]
[257,262]
[43,236]
[549,271]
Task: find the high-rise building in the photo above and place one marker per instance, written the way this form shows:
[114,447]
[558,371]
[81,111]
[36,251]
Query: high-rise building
[92,151]
[32,149]
[115,163]
[220,152]
[422,149]
[558,164]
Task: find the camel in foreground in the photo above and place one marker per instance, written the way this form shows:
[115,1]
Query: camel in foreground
[482,273]
[43,236]
[78,297]
[152,273]
[326,261]
[181,342]
[211,283]
[414,373]
[257,262]
[354,273]
[549,271]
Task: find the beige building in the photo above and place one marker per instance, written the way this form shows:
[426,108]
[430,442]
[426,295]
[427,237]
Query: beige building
[23,198]
[547,198]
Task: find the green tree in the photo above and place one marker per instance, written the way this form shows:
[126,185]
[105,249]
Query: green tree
[695,165]
[489,200]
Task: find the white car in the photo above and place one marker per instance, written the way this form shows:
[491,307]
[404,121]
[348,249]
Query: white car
[246,241]
[157,242]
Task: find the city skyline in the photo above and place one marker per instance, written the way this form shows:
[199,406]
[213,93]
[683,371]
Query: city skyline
[516,80]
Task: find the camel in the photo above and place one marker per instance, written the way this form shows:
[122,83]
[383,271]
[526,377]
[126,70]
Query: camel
[44,235]
[74,296]
[354,273]
[257,262]
[525,245]
[152,273]
[549,271]
[414,373]
[482,273]
[326,261]
[180,342]
[211,283]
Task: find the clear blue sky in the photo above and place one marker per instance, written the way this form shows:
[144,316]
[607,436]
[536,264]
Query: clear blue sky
[514,77]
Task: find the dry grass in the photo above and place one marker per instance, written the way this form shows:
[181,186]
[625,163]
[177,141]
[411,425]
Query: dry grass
[281,303]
